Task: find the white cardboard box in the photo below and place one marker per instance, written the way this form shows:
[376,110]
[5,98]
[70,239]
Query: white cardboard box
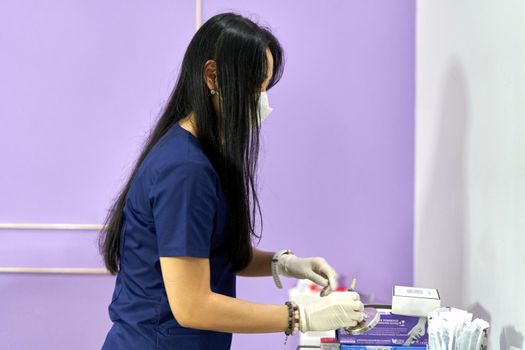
[412,301]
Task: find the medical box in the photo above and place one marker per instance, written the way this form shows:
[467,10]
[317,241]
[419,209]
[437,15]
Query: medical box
[391,330]
[412,301]
[364,347]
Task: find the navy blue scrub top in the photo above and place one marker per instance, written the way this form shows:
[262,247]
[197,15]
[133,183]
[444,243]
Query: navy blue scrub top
[175,207]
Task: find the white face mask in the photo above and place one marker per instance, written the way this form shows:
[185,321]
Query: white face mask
[264,107]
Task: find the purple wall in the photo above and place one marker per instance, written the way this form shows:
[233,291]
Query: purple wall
[336,164]
[80,84]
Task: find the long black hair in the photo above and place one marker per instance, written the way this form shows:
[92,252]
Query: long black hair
[238,46]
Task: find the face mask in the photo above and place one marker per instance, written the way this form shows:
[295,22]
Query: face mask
[264,107]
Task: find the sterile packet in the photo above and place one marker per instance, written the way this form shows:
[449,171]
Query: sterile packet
[453,329]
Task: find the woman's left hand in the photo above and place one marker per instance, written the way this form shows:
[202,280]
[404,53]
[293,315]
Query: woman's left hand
[315,269]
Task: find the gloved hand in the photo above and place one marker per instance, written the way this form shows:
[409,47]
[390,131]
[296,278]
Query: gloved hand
[315,269]
[337,310]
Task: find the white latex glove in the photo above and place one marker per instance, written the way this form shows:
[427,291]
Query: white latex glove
[315,269]
[337,310]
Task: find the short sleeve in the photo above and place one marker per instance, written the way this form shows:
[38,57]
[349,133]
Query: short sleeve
[184,202]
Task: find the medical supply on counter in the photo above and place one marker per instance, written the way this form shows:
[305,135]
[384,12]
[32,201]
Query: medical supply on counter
[453,329]
[329,344]
[416,320]
[391,330]
[412,301]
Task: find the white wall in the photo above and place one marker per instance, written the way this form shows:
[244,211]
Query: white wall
[470,160]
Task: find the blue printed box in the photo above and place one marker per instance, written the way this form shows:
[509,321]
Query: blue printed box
[392,330]
[364,347]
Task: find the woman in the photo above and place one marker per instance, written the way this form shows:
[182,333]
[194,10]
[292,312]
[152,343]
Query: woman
[180,230]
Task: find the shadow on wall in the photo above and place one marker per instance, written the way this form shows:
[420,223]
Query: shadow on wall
[478,311]
[442,219]
[510,338]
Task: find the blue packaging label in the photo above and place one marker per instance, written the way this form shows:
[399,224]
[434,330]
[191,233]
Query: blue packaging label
[392,330]
[372,347]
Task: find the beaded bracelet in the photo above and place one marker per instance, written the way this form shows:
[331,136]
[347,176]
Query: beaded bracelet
[293,319]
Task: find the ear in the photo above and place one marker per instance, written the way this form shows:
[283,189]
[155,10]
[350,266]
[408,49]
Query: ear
[210,74]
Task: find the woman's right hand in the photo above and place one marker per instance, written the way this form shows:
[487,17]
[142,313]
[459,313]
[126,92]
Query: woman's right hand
[337,310]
